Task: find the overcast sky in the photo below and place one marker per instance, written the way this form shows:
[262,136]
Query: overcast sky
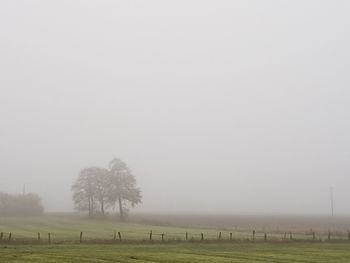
[217,106]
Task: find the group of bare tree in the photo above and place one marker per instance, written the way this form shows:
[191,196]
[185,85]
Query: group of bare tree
[20,205]
[98,189]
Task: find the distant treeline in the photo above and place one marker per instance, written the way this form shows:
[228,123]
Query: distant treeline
[20,205]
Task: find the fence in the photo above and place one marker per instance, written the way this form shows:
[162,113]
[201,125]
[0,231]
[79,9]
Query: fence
[151,237]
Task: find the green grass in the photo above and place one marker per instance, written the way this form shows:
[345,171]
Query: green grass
[184,252]
[67,228]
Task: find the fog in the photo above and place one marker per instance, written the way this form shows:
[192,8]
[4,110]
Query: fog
[216,106]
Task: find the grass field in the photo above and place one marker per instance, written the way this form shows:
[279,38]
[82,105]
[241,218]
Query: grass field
[98,244]
[67,228]
[184,252]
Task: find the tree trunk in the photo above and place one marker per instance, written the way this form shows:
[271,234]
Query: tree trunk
[92,207]
[89,207]
[102,207]
[121,212]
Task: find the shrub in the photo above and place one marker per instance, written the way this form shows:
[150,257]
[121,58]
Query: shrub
[20,205]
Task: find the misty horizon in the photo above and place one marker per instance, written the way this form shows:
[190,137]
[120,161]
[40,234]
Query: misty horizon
[217,107]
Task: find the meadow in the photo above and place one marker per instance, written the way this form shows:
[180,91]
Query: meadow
[184,252]
[66,228]
[100,241]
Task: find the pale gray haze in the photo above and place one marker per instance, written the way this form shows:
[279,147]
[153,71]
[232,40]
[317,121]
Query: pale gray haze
[216,106]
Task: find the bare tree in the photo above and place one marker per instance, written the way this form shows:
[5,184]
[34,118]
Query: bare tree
[102,185]
[122,189]
[97,186]
[84,190]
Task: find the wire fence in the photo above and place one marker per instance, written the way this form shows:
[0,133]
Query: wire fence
[168,237]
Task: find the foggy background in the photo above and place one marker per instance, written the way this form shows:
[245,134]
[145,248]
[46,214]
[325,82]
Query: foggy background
[216,106]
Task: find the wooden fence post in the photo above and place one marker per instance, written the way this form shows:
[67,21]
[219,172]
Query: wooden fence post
[329,235]
[114,235]
[231,236]
[285,236]
[186,236]
[1,236]
[290,235]
[49,237]
[162,236]
[120,236]
[313,236]
[150,235]
[202,236]
[265,236]
[253,235]
[38,236]
[10,237]
[219,235]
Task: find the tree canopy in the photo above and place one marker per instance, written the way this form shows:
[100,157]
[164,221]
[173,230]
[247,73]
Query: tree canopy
[97,189]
